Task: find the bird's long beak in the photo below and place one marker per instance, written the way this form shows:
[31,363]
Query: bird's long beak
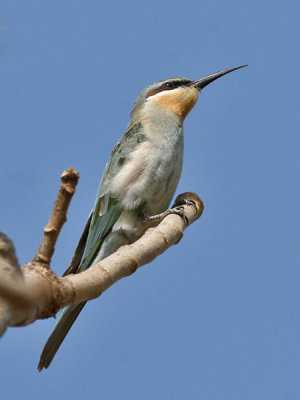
[201,83]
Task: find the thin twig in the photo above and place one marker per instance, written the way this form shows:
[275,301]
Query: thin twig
[69,180]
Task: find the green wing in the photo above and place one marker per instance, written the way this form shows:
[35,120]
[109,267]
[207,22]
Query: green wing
[104,215]
[99,228]
[106,210]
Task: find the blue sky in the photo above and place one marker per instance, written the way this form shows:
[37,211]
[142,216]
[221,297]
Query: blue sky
[216,317]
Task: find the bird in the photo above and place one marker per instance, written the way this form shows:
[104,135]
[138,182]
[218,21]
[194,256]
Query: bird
[138,183]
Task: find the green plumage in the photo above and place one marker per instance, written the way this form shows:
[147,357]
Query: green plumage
[141,177]
[98,227]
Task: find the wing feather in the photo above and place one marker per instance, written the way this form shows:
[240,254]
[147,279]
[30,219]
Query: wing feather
[100,222]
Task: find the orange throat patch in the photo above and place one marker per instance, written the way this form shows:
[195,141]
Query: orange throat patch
[179,101]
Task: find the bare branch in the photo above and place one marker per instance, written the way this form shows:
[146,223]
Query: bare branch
[125,261]
[7,253]
[39,293]
[69,180]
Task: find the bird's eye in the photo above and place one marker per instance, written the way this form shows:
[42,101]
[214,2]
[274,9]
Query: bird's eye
[164,86]
[169,85]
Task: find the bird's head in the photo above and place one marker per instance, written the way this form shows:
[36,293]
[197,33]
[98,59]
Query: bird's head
[176,95]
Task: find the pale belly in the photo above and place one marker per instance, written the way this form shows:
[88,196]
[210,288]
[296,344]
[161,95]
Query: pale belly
[162,184]
[152,189]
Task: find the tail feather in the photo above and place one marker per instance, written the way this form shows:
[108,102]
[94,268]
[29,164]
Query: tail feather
[88,252]
[58,334]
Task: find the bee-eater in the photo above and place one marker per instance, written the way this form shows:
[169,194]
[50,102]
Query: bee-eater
[138,182]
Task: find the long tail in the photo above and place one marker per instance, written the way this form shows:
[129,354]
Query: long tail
[96,251]
[58,334]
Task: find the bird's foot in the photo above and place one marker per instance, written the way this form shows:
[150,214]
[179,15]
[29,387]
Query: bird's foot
[189,199]
[159,217]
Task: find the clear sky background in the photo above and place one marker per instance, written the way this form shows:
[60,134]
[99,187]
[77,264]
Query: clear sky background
[216,317]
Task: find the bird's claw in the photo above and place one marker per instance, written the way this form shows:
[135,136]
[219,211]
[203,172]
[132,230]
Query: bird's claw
[190,203]
[179,211]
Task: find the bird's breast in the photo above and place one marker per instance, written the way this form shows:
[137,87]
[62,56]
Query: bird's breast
[151,173]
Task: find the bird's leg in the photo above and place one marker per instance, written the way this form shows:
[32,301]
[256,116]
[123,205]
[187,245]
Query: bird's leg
[178,210]
[187,198]
[161,216]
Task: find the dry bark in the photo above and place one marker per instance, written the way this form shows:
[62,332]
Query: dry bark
[34,291]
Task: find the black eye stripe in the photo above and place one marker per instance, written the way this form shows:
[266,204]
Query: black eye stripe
[174,84]
[169,85]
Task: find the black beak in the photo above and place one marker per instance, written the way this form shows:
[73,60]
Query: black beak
[201,83]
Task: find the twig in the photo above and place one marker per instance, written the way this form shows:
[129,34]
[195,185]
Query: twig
[69,180]
[39,293]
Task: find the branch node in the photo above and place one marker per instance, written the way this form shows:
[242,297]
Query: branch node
[42,259]
[180,236]
[69,180]
[50,229]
